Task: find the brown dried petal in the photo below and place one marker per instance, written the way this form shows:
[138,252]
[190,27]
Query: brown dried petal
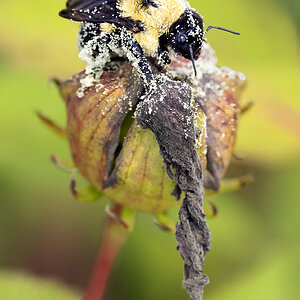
[221,106]
[94,121]
[217,90]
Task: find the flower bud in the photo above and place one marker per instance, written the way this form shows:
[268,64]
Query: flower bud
[123,160]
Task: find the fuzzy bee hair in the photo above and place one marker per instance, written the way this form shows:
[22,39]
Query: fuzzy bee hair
[135,29]
[157,18]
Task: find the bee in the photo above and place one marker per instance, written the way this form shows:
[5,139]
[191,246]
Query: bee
[136,29]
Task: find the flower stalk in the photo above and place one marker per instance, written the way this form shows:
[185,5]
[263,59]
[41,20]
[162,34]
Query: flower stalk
[113,238]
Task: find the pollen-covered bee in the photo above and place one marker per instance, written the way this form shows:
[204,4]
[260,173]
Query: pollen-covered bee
[136,29]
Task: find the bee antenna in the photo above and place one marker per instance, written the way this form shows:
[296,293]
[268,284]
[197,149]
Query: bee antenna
[220,28]
[193,61]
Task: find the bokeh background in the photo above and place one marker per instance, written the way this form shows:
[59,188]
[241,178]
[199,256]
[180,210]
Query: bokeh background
[48,241]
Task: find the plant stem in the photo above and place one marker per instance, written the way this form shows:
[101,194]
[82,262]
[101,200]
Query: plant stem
[113,237]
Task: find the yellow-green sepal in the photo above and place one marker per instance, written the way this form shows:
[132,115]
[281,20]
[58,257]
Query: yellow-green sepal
[85,195]
[125,217]
[164,222]
[52,125]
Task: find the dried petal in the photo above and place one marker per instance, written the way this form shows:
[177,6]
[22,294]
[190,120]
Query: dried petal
[217,91]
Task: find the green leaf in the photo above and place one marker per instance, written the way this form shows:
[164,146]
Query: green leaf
[18,286]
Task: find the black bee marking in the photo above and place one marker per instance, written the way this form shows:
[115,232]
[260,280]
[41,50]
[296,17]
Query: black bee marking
[147,3]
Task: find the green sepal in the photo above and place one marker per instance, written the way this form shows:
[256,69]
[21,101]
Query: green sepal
[85,195]
[125,218]
[233,184]
[58,130]
[164,222]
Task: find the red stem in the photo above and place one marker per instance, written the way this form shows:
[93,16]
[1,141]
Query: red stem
[112,240]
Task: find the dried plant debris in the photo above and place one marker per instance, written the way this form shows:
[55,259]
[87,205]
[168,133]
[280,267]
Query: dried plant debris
[167,112]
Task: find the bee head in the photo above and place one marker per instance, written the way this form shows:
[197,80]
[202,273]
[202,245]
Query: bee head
[186,35]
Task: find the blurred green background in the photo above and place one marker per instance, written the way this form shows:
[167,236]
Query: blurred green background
[46,235]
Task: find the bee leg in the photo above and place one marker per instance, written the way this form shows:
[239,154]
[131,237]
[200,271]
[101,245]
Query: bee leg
[163,52]
[93,49]
[135,54]
[164,58]
[87,32]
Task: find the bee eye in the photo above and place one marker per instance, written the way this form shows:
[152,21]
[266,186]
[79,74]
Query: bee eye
[182,38]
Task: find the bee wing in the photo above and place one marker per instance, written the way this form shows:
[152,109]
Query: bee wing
[87,4]
[185,2]
[97,11]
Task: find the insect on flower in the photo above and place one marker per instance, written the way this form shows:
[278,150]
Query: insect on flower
[167,134]
[136,29]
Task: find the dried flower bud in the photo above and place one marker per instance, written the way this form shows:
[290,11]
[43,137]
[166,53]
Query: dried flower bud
[123,160]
